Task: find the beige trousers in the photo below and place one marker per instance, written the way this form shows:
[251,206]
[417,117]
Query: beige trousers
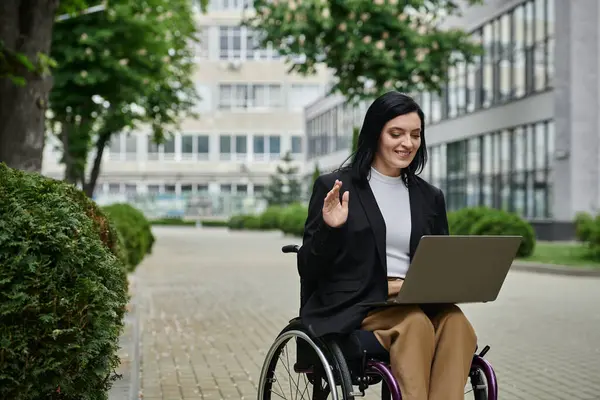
[431,349]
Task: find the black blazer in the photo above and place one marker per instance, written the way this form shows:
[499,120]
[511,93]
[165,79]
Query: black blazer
[344,269]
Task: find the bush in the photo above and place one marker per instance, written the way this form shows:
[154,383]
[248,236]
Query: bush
[505,223]
[584,226]
[172,221]
[269,219]
[63,291]
[293,219]
[462,221]
[135,230]
[214,223]
[236,222]
[251,222]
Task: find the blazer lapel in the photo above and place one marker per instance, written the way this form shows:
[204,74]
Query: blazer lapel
[376,221]
[416,216]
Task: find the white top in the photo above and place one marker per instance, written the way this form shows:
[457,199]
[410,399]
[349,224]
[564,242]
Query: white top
[394,203]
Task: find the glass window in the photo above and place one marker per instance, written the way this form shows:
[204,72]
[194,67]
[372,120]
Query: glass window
[225,188]
[519,54]
[259,144]
[274,145]
[241,189]
[169,146]
[187,144]
[296,144]
[488,82]
[225,144]
[540,146]
[131,143]
[519,149]
[241,146]
[202,188]
[203,144]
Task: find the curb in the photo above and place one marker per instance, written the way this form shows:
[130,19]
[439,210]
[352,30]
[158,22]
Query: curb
[555,269]
[134,384]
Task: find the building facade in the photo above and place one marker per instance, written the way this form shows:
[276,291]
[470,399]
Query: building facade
[251,114]
[518,129]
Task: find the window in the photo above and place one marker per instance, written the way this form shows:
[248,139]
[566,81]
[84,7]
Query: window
[508,169]
[250,96]
[169,146]
[230,42]
[203,145]
[204,103]
[241,189]
[296,144]
[241,144]
[274,145]
[225,145]
[187,145]
[259,144]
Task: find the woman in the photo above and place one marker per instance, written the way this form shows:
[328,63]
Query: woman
[356,252]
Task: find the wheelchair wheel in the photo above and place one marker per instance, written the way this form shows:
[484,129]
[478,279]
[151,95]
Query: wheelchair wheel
[298,366]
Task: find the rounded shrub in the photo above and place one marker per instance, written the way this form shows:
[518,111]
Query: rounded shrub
[505,223]
[584,226]
[269,219]
[135,230]
[461,222]
[63,291]
[292,219]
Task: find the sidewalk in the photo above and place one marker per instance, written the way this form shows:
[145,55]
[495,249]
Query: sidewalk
[127,387]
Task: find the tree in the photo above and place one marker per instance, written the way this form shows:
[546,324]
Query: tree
[25,79]
[370,45]
[119,71]
[284,188]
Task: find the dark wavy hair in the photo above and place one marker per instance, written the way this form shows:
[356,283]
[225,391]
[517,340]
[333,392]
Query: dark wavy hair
[385,108]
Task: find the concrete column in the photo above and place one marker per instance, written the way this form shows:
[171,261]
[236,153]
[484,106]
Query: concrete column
[576,172]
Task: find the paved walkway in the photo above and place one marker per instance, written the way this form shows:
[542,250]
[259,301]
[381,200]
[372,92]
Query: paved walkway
[211,302]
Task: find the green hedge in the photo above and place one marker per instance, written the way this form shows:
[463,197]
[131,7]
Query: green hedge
[290,220]
[63,291]
[135,231]
[489,221]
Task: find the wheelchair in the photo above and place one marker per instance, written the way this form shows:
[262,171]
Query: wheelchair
[344,367]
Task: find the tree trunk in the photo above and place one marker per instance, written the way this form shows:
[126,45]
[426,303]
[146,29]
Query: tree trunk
[25,27]
[90,185]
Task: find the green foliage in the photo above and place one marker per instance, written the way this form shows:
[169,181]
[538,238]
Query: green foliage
[491,221]
[293,219]
[587,228]
[290,220]
[584,226]
[269,219]
[117,70]
[371,45]
[135,231]
[284,188]
[507,224]
[63,291]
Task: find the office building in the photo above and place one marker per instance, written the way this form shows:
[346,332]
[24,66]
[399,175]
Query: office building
[518,129]
[251,114]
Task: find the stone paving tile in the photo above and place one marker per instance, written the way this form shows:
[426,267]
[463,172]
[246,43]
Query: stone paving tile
[212,302]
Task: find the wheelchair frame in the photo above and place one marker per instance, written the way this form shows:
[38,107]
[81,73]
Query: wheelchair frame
[334,367]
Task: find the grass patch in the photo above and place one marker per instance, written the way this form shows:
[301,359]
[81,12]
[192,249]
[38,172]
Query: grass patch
[562,254]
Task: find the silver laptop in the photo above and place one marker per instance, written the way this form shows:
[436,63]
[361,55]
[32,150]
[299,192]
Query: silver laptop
[458,269]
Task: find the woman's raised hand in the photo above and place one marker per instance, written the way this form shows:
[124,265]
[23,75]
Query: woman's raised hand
[335,213]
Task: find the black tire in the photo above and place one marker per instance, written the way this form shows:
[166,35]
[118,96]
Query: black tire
[328,355]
